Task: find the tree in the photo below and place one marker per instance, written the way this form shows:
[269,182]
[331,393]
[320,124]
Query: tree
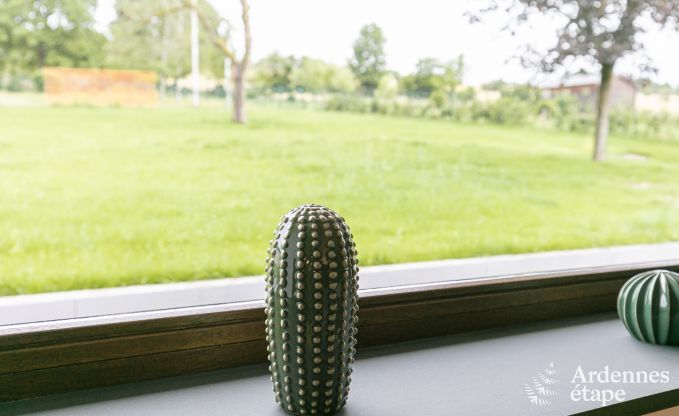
[369,60]
[315,75]
[433,76]
[218,31]
[387,87]
[133,46]
[39,33]
[160,45]
[287,73]
[310,75]
[340,79]
[273,72]
[601,32]
[496,85]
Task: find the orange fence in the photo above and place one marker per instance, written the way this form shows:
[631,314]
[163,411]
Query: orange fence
[100,87]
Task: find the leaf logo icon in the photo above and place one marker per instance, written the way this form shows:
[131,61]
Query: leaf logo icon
[538,391]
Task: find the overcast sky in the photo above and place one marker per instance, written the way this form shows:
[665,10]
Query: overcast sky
[414,29]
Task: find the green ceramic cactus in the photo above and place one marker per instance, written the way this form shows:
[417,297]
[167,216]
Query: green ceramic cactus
[648,305]
[311,283]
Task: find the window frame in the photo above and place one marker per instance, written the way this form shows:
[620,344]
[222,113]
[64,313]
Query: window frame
[42,358]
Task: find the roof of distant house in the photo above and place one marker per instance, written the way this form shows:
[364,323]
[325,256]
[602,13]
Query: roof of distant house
[582,80]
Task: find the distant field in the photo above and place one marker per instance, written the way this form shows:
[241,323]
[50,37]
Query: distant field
[106,197]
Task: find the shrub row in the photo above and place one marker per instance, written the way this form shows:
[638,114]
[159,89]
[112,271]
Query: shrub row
[562,113]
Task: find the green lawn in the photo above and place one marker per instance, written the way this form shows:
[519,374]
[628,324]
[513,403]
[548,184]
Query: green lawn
[104,197]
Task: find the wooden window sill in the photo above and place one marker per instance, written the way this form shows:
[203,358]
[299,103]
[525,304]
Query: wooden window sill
[59,356]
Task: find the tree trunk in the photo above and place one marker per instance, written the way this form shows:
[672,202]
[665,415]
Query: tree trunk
[602,112]
[238,93]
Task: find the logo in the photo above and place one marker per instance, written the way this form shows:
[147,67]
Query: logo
[605,386]
[602,386]
[540,390]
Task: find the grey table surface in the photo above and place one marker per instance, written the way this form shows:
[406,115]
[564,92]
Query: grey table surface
[495,372]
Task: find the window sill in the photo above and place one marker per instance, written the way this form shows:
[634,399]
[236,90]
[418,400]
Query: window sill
[52,357]
[480,373]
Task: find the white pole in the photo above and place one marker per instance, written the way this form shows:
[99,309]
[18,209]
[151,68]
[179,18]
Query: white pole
[195,56]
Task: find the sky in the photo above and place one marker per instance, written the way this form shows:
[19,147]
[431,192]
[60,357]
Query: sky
[414,29]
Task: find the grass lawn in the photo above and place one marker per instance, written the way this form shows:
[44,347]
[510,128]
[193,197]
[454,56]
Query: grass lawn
[105,197]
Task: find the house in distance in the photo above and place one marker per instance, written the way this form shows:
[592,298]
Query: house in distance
[585,87]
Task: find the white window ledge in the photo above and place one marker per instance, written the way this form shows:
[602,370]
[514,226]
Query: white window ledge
[95,302]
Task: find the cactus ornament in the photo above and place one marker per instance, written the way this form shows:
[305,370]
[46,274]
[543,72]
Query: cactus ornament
[311,284]
[648,305]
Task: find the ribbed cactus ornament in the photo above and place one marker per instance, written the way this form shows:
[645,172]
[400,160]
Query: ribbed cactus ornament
[648,305]
[311,284]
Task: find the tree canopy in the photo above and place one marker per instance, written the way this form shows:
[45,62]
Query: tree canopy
[432,75]
[369,60]
[273,72]
[600,32]
[287,73]
[38,33]
[315,75]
